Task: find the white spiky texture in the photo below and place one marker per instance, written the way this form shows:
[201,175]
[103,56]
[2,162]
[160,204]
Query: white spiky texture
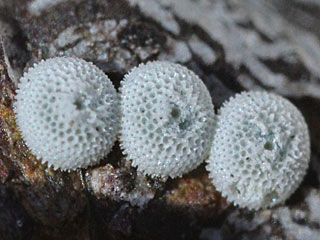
[167,119]
[67,111]
[260,151]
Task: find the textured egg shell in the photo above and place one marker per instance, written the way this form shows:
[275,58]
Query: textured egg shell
[167,119]
[67,111]
[261,150]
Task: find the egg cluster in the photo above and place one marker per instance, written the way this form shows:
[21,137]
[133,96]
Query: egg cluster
[167,119]
[257,148]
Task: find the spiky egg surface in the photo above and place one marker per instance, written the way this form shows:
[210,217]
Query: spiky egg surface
[167,119]
[67,111]
[261,150]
